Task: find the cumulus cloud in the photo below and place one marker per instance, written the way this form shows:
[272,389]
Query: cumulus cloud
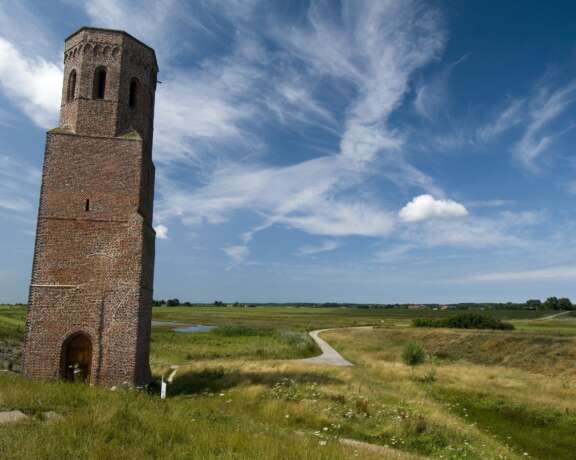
[425,207]
[161,232]
[31,83]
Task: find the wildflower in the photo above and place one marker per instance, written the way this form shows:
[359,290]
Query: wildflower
[322,443]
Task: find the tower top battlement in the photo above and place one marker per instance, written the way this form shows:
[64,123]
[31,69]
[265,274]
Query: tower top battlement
[110,37]
[109,84]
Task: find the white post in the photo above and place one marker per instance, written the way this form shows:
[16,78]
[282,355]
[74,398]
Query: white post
[163,389]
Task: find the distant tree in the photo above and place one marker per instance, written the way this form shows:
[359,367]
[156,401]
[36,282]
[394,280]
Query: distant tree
[218,303]
[551,303]
[534,304]
[172,302]
[565,304]
[413,354]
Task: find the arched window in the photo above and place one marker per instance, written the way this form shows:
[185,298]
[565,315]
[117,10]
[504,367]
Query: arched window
[71,91]
[100,83]
[133,96]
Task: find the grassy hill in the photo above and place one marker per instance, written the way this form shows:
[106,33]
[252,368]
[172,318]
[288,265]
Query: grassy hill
[239,393]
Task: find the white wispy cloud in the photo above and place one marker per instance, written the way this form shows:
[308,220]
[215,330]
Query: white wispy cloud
[511,116]
[510,230]
[156,21]
[393,253]
[545,106]
[210,119]
[324,246]
[19,182]
[31,83]
[555,273]
[27,30]
[431,98]
[536,116]
[373,49]
[570,187]
[496,203]
[237,253]
[425,207]
[197,113]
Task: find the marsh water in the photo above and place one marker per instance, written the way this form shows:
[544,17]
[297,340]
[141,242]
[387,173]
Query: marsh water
[194,328]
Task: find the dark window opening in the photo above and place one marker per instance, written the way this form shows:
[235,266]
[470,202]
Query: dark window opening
[87,206]
[152,79]
[133,96]
[71,91]
[100,83]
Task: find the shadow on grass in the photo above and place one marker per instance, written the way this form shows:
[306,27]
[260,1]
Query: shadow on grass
[218,379]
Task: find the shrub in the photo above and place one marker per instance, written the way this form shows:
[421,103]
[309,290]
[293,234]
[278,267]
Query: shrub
[299,340]
[413,354]
[428,376]
[465,321]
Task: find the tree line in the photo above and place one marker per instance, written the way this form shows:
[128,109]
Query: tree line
[551,303]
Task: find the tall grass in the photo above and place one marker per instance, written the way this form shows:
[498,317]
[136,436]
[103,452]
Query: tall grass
[230,342]
[100,424]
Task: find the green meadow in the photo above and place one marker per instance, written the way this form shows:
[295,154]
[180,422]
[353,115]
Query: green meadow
[241,392]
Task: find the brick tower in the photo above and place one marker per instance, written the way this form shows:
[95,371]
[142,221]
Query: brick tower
[89,314]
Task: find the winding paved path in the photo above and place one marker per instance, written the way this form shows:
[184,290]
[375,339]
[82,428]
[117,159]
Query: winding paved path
[329,355]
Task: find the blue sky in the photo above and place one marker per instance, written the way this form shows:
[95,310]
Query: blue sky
[366,151]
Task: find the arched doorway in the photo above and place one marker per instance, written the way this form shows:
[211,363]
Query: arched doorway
[77,358]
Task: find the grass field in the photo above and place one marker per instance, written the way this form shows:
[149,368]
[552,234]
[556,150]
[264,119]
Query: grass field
[313,318]
[239,393]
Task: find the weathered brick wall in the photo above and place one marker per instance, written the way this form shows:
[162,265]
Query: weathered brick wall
[94,255]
